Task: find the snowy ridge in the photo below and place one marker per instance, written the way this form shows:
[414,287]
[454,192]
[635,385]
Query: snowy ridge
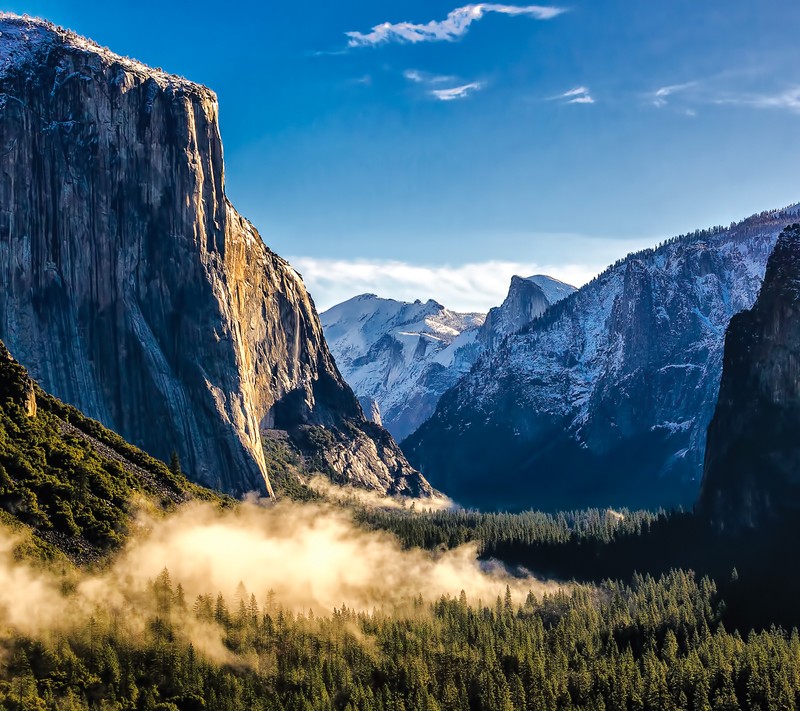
[606,397]
[400,357]
[553,289]
[26,41]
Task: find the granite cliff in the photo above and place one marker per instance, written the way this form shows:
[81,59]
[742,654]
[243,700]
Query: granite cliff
[131,288]
[752,462]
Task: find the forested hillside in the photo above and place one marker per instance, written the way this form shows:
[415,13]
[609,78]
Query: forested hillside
[72,481]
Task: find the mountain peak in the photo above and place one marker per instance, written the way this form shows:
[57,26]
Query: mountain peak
[527,299]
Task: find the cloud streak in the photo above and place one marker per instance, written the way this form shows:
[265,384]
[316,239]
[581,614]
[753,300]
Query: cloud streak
[711,92]
[578,95]
[418,77]
[456,92]
[659,98]
[787,100]
[468,287]
[455,26]
[452,93]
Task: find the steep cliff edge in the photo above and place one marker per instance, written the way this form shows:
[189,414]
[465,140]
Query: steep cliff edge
[528,298]
[752,462]
[131,288]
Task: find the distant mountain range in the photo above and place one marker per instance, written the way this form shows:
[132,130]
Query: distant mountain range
[604,399]
[400,357]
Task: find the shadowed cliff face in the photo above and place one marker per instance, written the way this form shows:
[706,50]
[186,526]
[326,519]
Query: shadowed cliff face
[752,463]
[132,289]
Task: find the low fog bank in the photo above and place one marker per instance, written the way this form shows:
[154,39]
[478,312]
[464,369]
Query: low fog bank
[304,557]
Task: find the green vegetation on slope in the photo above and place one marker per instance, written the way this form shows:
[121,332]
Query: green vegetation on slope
[71,480]
[661,641]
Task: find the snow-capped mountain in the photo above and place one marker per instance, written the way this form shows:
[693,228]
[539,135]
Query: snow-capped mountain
[606,398]
[400,357]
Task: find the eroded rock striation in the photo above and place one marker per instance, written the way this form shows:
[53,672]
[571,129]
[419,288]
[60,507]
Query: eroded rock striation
[131,288]
[752,461]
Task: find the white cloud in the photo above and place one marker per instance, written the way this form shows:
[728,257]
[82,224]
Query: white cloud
[419,77]
[456,92]
[468,287]
[455,26]
[787,100]
[659,97]
[713,93]
[577,91]
[578,95]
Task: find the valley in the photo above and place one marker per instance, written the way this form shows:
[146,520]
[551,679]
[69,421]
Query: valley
[213,496]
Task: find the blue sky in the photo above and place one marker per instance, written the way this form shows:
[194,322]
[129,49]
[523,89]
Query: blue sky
[437,157]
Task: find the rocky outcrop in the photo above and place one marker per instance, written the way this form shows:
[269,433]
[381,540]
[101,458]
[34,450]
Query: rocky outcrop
[527,299]
[606,398]
[129,285]
[752,461]
[15,384]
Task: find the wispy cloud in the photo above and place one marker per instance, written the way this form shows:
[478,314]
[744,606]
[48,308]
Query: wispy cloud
[788,99]
[578,95]
[452,93]
[456,92]
[468,287]
[364,80]
[659,98]
[718,91]
[456,25]
[414,75]
[419,77]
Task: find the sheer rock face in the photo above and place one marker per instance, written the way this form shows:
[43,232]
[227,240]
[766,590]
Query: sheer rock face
[132,289]
[527,299]
[372,410]
[752,463]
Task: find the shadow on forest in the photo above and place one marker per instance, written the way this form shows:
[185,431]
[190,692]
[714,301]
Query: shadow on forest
[755,572]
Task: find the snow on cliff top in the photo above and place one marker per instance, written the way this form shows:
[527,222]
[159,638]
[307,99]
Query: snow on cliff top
[25,40]
[554,290]
[358,323]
